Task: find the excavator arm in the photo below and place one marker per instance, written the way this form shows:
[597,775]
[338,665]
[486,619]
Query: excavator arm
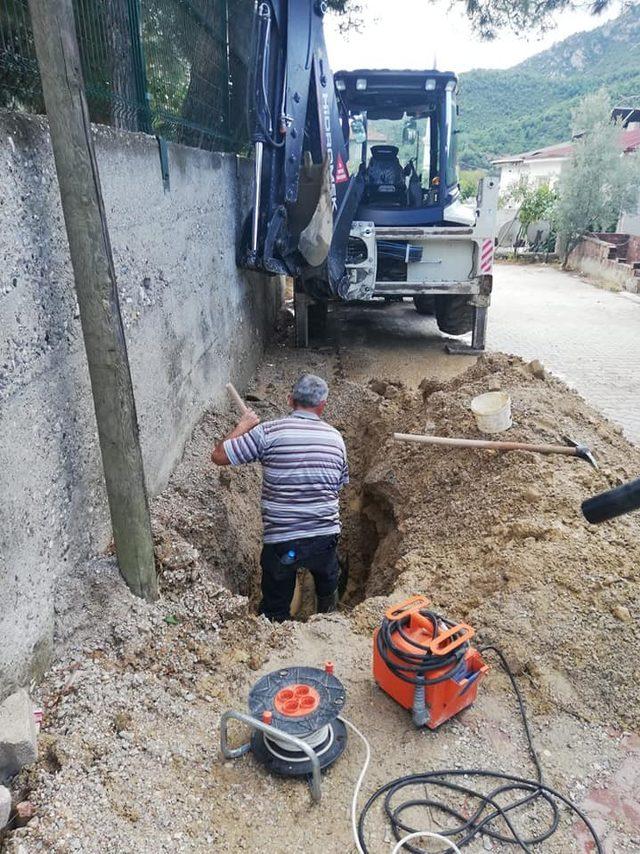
[305,199]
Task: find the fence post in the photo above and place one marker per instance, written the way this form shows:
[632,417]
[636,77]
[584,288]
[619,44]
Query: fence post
[139,66]
[227,54]
[95,280]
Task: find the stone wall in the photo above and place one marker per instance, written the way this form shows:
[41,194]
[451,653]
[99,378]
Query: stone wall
[193,321]
[610,259]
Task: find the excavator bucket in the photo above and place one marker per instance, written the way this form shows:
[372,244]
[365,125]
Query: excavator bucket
[304,196]
[315,238]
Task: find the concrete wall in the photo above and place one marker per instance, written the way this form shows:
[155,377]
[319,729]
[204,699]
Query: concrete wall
[629,222]
[192,322]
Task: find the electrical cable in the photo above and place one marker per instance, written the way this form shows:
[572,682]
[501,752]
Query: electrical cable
[414,666]
[358,786]
[481,822]
[321,741]
[356,793]
[431,835]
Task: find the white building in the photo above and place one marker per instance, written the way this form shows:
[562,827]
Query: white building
[544,165]
[539,167]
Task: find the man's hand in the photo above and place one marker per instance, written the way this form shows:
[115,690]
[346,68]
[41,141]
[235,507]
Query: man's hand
[247,422]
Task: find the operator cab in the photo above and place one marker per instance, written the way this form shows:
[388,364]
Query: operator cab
[401,132]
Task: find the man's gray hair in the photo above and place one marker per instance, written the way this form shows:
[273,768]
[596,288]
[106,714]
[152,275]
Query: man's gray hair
[310,391]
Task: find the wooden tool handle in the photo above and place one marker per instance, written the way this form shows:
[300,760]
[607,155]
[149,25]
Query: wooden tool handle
[236,399]
[569,450]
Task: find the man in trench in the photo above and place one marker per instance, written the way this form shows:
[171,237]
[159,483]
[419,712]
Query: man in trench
[305,465]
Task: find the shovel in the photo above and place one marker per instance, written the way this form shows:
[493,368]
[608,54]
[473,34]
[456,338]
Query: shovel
[570,449]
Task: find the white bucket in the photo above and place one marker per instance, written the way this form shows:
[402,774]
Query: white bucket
[492,411]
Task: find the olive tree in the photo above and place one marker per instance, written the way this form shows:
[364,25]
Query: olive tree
[490,17]
[599,181]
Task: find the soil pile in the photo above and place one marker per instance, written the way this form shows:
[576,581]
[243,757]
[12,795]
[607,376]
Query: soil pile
[499,539]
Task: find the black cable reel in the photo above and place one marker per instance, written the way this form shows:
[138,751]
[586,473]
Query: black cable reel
[294,717]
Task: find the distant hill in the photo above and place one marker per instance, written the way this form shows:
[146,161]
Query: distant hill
[529,106]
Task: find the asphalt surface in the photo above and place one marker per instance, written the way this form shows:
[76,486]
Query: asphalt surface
[586,336]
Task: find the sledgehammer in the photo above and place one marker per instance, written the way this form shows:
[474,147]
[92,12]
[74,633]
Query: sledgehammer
[571,449]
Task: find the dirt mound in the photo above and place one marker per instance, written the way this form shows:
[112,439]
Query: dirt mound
[499,540]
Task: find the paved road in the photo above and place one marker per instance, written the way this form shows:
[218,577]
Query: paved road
[588,337]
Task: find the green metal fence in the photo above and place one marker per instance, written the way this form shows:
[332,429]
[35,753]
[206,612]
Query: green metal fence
[175,68]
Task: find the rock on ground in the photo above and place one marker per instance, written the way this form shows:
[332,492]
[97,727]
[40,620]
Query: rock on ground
[5,806]
[18,736]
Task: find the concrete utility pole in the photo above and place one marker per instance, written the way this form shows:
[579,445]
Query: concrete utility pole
[63,88]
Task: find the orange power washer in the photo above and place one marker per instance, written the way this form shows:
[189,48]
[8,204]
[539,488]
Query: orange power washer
[426,662]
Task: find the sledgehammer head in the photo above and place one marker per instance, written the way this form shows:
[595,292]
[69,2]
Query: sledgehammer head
[582,451]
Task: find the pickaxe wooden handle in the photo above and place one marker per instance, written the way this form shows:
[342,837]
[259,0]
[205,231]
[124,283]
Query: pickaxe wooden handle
[236,399]
[571,450]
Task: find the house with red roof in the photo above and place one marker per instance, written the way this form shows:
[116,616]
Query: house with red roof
[544,165]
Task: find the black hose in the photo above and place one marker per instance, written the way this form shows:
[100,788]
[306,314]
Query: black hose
[482,822]
[616,502]
[414,667]
[258,84]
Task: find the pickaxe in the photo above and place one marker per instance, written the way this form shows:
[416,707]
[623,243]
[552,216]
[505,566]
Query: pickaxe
[571,448]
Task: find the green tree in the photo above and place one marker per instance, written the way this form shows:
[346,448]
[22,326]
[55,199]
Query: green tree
[599,182]
[489,17]
[469,179]
[537,205]
[534,204]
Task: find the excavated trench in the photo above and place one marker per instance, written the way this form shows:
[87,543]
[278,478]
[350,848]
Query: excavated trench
[208,520]
[497,541]
[129,750]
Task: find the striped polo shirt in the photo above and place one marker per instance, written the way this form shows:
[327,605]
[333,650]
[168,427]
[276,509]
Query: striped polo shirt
[304,466]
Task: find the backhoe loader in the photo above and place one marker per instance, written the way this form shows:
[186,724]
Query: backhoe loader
[356,182]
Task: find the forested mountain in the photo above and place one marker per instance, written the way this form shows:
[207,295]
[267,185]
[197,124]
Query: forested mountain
[529,106]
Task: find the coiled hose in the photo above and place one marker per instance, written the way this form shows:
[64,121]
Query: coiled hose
[414,667]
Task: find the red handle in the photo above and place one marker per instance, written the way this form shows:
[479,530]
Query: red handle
[404,609]
[445,643]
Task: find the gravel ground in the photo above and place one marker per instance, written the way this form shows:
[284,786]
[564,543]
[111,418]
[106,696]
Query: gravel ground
[129,749]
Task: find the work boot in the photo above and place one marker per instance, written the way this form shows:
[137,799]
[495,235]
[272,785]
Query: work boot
[327,604]
[274,616]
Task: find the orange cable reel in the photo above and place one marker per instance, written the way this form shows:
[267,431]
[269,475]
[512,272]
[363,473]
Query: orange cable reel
[425,662]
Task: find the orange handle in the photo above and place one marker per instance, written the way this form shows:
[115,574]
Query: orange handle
[404,609]
[443,644]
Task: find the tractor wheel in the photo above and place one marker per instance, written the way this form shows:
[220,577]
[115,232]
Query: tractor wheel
[424,304]
[454,314]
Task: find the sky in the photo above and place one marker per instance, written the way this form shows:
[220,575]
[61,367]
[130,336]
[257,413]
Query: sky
[408,33]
